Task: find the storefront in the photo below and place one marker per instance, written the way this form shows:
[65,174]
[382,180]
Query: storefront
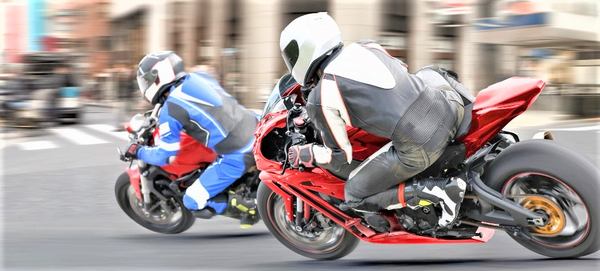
[551,40]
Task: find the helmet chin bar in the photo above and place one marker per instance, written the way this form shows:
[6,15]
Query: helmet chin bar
[151,93]
[164,90]
[316,68]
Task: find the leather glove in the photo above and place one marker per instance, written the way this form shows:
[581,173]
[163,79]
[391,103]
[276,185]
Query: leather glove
[301,155]
[131,152]
[302,119]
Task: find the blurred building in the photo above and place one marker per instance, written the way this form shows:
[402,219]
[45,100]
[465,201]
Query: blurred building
[557,41]
[14,39]
[483,40]
[80,27]
[76,27]
[239,39]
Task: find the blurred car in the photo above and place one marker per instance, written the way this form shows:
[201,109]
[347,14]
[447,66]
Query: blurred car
[25,101]
[4,94]
[64,103]
[69,105]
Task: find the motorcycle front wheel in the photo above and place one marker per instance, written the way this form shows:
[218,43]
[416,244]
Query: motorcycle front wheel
[166,217]
[329,242]
[547,178]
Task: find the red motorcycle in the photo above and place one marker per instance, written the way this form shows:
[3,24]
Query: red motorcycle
[152,196]
[543,195]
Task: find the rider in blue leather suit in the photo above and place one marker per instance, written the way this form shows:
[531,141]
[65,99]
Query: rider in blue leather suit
[196,104]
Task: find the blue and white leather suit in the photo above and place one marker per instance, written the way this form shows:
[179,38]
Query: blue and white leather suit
[202,109]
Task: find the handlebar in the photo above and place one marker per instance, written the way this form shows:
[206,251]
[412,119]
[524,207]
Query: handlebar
[297,128]
[144,134]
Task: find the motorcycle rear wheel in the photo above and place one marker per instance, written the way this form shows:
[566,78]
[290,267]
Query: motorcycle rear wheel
[129,203]
[545,177]
[331,244]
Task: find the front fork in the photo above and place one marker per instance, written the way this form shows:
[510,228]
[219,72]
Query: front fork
[301,215]
[142,184]
[145,186]
[145,183]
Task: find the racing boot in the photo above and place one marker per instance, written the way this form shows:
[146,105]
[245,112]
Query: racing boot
[448,192]
[247,208]
[206,213]
[214,206]
[371,204]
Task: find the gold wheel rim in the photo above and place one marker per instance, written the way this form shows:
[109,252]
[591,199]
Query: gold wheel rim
[556,217]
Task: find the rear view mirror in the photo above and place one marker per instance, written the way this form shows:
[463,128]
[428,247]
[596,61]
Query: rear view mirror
[137,122]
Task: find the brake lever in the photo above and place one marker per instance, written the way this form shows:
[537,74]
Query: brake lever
[121,155]
[123,158]
[286,161]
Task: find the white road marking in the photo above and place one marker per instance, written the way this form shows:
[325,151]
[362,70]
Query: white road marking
[108,129]
[36,145]
[575,129]
[77,136]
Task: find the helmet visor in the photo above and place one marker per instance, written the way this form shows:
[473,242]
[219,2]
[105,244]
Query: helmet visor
[290,54]
[145,80]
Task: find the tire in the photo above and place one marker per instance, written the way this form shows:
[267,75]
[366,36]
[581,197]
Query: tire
[122,194]
[76,118]
[555,162]
[343,244]
[70,119]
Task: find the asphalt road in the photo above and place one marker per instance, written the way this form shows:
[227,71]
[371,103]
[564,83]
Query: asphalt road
[59,213]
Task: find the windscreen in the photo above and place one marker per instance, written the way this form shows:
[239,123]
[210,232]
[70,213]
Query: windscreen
[275,101]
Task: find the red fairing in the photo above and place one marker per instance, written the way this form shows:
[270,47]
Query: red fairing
[265,126]
[304,184]
[134,180]
[496,106]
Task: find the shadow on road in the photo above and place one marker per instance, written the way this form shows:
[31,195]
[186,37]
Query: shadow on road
[447,263]
[192,237]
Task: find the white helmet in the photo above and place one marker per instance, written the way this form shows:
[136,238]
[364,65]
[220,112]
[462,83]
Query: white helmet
[306,41]
[156,72]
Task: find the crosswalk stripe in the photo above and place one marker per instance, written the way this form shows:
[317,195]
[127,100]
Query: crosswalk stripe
[77,136]
[36,145]
[108,129]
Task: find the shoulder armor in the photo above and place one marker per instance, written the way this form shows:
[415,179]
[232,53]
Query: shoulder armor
[357,63]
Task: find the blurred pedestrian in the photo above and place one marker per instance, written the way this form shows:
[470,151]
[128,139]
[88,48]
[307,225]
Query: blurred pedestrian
[124,79]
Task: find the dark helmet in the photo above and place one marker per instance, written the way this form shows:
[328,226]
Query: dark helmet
[157,72]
